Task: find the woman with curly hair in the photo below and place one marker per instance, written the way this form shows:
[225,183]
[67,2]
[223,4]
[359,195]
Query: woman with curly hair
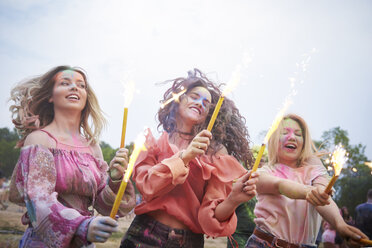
[186,176]
[61,174]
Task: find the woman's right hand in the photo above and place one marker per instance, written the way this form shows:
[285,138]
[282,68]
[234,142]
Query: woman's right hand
[198,146]
[101,228]
[119,164]
[244,188]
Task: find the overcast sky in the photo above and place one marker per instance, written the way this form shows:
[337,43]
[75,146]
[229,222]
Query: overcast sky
[322,48]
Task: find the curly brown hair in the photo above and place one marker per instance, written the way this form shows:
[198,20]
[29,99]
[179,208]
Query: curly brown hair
[229,129]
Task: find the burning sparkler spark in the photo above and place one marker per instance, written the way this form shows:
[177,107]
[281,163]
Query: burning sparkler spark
[339,158]
[129,89]
[369,164]
[175,97]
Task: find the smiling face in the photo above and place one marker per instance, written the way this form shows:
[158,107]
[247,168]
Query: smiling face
[194,107]
[69,91]
[290,143]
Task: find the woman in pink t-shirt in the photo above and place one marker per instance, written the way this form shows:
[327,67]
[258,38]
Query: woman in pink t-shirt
[291,194]
[61,175]
[186,176]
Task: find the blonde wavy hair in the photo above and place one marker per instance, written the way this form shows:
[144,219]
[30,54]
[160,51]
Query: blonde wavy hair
[32,110]
[308,148]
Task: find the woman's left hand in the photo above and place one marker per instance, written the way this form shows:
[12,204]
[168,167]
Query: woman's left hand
[351,234]
[317,197]
[119,164]
[244,188]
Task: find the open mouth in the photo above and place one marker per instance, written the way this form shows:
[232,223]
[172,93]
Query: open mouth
[291,146]
[73,97]
[197,110]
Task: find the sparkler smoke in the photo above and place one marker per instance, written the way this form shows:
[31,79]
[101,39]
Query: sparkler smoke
[297,77]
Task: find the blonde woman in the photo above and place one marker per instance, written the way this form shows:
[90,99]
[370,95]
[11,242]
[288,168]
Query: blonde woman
[61,173]
[291,198]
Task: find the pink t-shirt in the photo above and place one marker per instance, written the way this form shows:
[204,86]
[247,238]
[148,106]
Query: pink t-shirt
[295,221]
[190,194]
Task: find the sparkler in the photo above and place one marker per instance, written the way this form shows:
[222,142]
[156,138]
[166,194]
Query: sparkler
[338,159]
[231,85]
[175,97]
[365,242]
[138,147]
[302,66]
[369,164]
[129,88]
[272,129]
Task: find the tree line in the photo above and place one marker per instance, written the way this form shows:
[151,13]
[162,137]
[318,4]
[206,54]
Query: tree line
[351,187]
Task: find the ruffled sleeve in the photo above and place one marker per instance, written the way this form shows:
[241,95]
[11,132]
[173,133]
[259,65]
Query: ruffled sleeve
[35,180]
[158,169]
[107,194]
[219,174]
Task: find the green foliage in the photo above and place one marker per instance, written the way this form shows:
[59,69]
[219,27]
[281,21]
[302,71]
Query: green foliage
[109,152]
[264,158]
[355,178]
[8,153]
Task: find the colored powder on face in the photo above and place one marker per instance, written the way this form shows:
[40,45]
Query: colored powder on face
[286,137]
[201,102]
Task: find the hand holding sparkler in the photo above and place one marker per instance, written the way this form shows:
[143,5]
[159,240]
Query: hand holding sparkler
[338,159]
[118,164]
[138,147]
[198,146]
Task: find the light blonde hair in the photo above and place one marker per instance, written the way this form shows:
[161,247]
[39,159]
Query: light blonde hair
[32,110]
[308,148]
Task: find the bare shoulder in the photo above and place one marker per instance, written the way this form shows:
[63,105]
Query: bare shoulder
[39,138]
[96,149]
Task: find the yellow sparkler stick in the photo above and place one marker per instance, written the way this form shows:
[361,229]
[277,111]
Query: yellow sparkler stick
[137,149]
[339,157]
[215,113]
[259,156]
[272,129]
[330,184]
[365,242]
[124,128]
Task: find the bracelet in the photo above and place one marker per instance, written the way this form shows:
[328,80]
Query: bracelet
[181,153]
[180,156]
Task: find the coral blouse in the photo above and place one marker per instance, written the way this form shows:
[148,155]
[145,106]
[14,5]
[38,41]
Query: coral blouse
[191,193]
